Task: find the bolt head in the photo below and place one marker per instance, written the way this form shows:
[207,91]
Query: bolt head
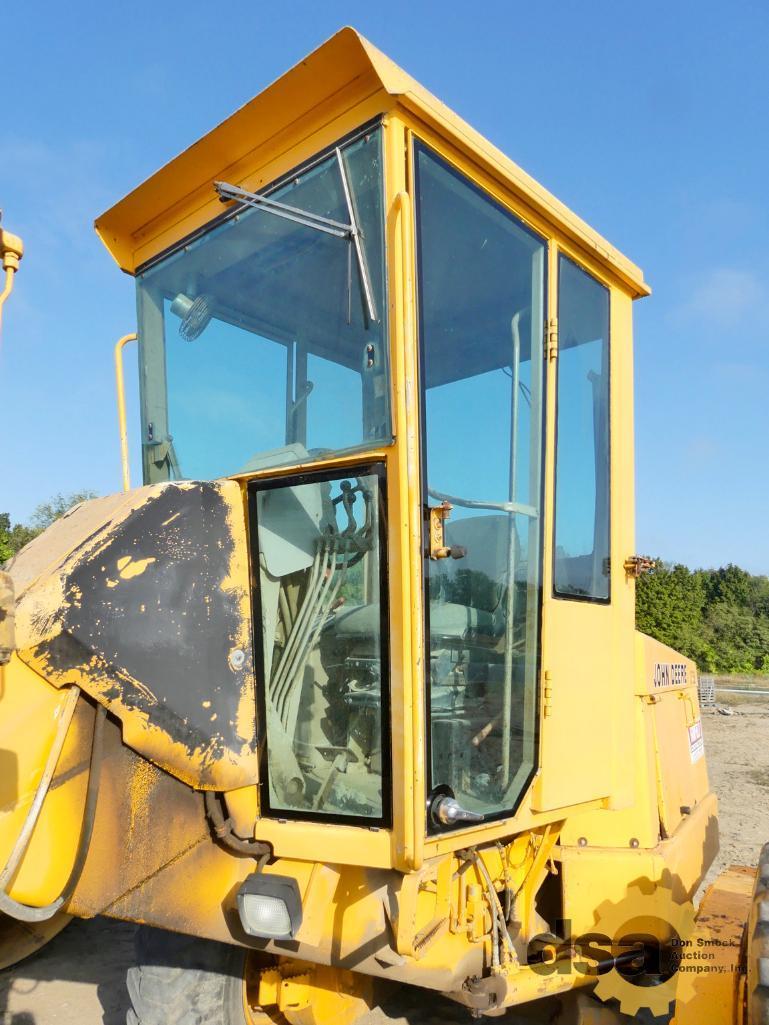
[237,658]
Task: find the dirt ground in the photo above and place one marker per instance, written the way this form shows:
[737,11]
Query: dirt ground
[79,978]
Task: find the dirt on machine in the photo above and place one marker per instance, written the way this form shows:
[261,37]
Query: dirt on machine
[347,691]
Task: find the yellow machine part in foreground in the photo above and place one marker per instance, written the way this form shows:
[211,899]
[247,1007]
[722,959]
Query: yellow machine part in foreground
[616,819]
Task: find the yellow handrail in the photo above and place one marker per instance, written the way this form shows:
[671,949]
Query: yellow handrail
[11,252]
[121,415]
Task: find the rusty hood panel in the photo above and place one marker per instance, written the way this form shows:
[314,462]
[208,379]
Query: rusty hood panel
[143,600]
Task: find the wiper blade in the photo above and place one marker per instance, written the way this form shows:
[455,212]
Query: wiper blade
[351,231]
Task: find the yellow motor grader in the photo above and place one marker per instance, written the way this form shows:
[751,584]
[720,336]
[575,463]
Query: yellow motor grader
[348,691]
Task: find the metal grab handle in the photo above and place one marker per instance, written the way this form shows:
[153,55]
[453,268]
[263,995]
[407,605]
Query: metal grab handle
[472,503]
[121,415]
[11,252]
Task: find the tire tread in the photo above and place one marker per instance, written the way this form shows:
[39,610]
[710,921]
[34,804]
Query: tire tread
[184,980]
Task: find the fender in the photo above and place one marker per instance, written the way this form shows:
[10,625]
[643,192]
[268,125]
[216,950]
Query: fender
[143,601]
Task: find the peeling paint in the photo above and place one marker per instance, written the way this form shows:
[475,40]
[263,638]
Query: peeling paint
[129,569]
[165,674]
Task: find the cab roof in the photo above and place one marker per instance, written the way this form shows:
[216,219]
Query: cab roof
[344,75]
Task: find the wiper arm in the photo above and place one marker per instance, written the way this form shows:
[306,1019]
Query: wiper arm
[227,192]
[351,231]
[355,239]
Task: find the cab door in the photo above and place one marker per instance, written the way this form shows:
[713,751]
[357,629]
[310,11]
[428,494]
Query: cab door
[580,612]
[482,276]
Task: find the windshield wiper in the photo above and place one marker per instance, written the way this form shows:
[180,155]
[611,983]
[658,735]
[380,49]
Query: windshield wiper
[355,237]
[351,231]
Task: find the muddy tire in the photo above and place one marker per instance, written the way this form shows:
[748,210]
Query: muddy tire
[182,980]
[757,945]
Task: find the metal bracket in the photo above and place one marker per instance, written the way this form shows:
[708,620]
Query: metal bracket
[438,514]
[637,565]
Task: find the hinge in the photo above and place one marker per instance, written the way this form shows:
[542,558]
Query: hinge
[637,565]
[551,339]
[547,707]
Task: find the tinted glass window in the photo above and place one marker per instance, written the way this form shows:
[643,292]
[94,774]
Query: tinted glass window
[582,454]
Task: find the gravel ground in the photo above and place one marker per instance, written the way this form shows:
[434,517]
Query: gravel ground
[79,978]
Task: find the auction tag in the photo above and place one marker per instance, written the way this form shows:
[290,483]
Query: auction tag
[696,741]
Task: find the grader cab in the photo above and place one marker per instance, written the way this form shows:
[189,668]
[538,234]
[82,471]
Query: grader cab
[349,690]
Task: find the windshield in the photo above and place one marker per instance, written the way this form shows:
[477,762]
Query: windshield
[262,342]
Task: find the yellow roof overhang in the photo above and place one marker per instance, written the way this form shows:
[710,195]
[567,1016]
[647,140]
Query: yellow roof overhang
[277,130]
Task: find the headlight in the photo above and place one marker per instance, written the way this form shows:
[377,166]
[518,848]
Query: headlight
[270,906]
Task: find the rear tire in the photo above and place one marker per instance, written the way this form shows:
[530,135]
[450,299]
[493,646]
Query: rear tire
[183,980]
[22,939]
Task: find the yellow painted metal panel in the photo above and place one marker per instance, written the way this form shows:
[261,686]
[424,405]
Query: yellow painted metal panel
[636,823]
[714,993]
[592,875]
[260,141]
[681,771]
[30,708]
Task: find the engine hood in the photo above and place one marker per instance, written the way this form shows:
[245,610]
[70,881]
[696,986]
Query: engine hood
[143,600]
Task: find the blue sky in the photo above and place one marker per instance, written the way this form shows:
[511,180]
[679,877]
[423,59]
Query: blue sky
[650,122]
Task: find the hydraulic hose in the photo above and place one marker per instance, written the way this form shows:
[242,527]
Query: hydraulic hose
[24,912]
[500,935]
[225,831]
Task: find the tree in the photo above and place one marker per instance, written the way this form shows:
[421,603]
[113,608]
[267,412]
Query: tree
[47,512]
[13,538]
[718,617]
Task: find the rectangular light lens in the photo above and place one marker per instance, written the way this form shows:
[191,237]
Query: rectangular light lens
[261,915]
[270,906]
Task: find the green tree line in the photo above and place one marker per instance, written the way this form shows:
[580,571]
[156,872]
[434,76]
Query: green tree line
[717,617]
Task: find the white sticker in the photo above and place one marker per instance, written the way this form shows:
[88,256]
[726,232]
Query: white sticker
[696,741]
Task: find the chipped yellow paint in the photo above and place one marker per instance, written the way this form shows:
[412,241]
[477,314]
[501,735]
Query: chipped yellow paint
[238,585]
[129,568]
[142,781]
[38,613]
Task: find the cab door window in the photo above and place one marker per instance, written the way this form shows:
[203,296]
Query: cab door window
[582,437]
[320,583]
[481,303]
